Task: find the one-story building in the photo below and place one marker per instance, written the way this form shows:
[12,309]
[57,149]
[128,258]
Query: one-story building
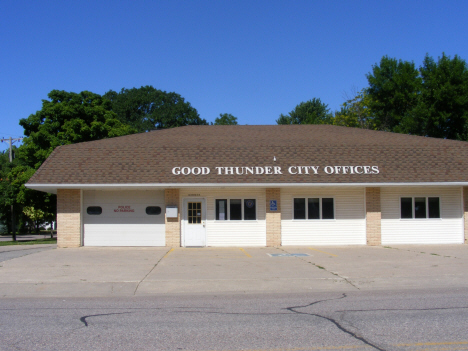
[259,186]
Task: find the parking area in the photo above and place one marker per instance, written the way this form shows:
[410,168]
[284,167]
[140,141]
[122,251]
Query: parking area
[132,271]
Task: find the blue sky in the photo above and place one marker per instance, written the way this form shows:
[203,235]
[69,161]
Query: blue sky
[253,59]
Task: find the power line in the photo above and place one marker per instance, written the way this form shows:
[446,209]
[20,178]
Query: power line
[11,140]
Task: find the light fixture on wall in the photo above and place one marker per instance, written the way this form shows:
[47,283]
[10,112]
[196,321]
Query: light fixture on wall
[274,158]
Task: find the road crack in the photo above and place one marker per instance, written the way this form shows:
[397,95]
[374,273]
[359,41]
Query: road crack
[85,322]
[339,325]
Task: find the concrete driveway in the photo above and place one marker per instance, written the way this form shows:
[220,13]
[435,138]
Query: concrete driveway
[88,271]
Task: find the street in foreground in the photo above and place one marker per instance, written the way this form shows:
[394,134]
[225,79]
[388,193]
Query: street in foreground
[372,320]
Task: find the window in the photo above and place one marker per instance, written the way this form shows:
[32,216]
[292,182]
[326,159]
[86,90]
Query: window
[235,209]
[221,210]
[238,209]
[250,212]
[315,208]
[419,207]
[299,209]
[194,212]
[153,210]
[94,210]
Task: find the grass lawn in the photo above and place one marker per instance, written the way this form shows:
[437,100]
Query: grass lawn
[28,242]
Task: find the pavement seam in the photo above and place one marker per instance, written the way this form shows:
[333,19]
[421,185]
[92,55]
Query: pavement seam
[325,269]
[138,285]
[421,252]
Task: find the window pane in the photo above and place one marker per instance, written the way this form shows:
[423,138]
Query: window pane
[235,210]
[153,210]
[314,208]
[94,210]
[406,207]
[221,207]
[327,209]
[249,209]
[299,209]
[434,207]
[419,207]
[194,211]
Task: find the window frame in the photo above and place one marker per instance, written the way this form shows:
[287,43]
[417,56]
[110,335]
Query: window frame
[413,207]
[228,209]
[320,208]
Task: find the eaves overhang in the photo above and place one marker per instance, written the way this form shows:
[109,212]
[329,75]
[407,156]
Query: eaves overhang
[52,188]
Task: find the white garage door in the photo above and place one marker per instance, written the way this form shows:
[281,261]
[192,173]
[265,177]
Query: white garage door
[123,218]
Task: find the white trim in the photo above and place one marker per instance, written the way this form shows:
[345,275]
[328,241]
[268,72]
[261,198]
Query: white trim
[81,219]
[53,187]
[462,214]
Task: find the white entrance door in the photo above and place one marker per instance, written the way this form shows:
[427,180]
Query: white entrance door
[194,222]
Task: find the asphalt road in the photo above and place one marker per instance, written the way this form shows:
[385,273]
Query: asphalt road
[363,320]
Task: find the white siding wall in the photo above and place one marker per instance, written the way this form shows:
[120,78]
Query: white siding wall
[232,233]
[124,228]
[348,227]
[446,230]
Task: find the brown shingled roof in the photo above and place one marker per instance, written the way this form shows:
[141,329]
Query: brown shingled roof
[149,158]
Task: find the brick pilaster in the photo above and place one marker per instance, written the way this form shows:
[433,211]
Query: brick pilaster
[465,211]
[273,218]
[68,218]
[373,217]
[173,224]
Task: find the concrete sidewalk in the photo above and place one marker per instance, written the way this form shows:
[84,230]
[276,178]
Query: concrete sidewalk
[152,271]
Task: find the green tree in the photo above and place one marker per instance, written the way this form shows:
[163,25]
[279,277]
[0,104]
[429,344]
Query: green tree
[356,112]
[68,118]
[7,194]
[394,88]
[64,119]
[225,119]
[309,112]
[147,108]
[442,109]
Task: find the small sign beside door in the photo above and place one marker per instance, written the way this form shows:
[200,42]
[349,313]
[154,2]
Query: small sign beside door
[273,205]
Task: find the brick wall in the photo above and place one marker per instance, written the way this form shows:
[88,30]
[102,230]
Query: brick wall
[68,218]
[273,218]
[173,224]
[373,217]
[465,211]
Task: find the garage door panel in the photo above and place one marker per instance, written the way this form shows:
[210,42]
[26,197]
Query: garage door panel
[124,221]
[124,235]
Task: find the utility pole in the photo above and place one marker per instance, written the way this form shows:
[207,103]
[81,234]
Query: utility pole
[10,142]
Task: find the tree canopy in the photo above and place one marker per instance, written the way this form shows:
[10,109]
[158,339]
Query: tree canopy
[355,112]
[393,90]
[65,118]
[431,100]
[225,119]
[147,108]
[68,118]
[309,112]
[442,109]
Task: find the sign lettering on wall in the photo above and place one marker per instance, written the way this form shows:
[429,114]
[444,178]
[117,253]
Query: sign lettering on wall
[276,170]
[124,209]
